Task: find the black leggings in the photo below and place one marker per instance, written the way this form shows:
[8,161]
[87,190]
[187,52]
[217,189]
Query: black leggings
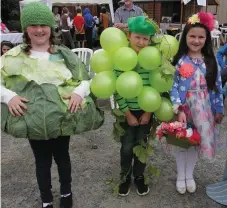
[43,151]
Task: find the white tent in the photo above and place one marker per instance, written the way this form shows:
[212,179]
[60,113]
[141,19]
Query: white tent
[76,2]
[51,3]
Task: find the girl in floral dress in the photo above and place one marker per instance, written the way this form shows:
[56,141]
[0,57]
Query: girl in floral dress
[196,95]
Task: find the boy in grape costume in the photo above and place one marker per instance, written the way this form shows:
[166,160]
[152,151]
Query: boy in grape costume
[137,122]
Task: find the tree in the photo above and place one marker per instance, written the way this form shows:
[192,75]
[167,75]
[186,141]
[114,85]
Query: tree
[11,14]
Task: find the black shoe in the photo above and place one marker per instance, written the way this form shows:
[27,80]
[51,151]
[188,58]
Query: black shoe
[66,202]
[142,188]
[124,188]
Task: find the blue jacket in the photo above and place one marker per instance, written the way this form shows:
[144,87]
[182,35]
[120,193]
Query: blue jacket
[181,86]
[88,19]
[220,56]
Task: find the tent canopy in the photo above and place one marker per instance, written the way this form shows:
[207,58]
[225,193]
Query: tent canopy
[76,2]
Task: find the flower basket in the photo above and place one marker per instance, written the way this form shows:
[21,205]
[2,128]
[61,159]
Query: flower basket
[183,143]
[178,134]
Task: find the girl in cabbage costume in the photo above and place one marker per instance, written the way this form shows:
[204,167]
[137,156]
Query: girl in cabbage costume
[44,93]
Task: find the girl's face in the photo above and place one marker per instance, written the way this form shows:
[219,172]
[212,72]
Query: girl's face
[196,39]
[138,41]
[39,34]
[5,49]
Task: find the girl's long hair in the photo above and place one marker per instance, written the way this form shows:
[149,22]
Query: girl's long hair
[207,52]
[27,42]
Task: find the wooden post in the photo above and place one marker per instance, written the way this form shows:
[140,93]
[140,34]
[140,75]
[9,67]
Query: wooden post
[154,10]
[194,7]
[181,15]
[206,5]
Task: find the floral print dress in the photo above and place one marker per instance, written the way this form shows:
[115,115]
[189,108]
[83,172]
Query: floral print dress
[198,111]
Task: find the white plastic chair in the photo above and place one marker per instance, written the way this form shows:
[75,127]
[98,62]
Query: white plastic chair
[85,55]
[178,36]
[225,36]
[216,40]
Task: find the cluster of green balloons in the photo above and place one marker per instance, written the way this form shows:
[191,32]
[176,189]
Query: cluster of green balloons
[115,54]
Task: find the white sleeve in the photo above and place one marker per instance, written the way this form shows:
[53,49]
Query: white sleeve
[83,89]
[6,94]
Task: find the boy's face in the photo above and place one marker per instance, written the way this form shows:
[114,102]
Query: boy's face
[138,41]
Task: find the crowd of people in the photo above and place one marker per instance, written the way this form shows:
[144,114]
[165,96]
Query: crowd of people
[197,99]
[81,30]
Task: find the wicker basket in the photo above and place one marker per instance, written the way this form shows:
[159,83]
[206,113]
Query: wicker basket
[171,139]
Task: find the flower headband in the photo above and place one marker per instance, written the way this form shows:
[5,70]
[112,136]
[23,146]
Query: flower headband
[203,18]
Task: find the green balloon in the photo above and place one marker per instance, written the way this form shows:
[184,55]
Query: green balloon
[150,58]
[101,61]
[149,99]
[112,39]
[165,112]
[125,59]
[103,84]
[129,84]
[169,46]
[160,83]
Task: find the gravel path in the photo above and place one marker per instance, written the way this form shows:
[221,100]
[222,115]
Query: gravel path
[90,167]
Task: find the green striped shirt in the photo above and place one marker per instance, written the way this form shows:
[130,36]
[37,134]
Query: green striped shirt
[131,104]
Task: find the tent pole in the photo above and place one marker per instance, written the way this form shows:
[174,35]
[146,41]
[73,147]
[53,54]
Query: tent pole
[181,15]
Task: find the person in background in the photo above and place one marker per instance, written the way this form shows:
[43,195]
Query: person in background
[104,18]
[94,36]
[4,29]
[57,30]
[66,25]
[126,11]
[89,24]
[222,61]
[5,46]
[216,31]
[78,23]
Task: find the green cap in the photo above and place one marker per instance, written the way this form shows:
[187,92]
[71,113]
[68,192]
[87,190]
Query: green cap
[36,13]
[142,25]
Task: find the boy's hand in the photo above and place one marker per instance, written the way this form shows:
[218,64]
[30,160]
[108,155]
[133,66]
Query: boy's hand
[218,118]
[131,119]
[182,117]
[145,118]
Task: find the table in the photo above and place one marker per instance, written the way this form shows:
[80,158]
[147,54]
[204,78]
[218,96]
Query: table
[223,29]
[224,32]
[14,38]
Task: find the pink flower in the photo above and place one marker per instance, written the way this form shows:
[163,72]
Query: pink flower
[186,70]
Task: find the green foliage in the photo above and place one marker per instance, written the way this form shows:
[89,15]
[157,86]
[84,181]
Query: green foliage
[143,151]
[118,131]
[11,14]
[47,115]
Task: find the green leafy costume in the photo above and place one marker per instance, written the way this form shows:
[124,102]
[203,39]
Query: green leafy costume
[47,115]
